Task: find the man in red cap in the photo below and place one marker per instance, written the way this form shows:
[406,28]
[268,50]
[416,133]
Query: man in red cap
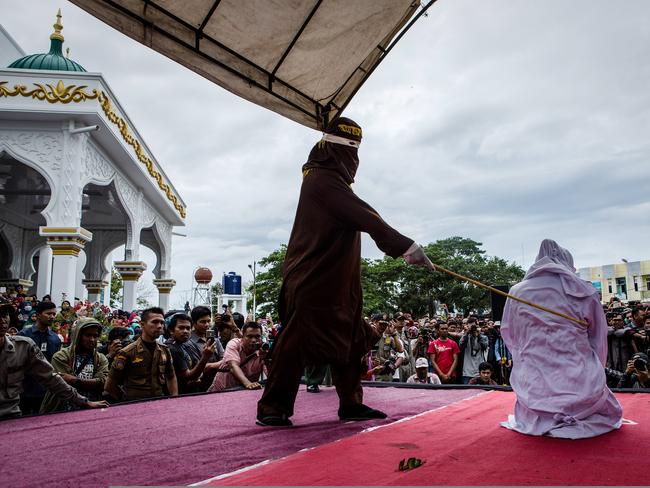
[320,303]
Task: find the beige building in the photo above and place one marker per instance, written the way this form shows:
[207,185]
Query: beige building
[627,281]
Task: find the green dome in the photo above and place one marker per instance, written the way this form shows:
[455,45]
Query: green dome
[54,60]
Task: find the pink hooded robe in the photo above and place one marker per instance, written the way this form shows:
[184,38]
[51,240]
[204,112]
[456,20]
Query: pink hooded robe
[558,366]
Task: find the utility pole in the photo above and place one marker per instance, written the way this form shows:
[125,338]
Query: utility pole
[253,269]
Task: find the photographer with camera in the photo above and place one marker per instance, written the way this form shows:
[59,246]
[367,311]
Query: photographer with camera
[636,374]
[641,329]
[118,337]
[390,353]
[620,342]
[473,345]
[243,361]
[407,367]
[227,328]
[420,344]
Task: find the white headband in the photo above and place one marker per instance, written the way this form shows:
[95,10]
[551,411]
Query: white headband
[340,140]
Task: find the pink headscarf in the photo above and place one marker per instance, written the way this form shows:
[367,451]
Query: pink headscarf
[552,258]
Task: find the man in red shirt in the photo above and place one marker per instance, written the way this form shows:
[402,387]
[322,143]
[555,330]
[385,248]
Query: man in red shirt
[443,353]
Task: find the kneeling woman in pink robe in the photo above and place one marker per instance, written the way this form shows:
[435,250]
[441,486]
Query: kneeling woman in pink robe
[558,365]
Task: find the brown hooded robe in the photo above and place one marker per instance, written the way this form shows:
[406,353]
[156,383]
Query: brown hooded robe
[321,301]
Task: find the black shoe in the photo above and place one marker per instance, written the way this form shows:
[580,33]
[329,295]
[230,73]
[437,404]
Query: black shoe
[274,421]
[313,389]
[360,412]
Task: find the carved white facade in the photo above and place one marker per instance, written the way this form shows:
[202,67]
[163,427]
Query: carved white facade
[79,191]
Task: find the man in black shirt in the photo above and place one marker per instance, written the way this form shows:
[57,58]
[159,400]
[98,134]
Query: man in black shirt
[188,371]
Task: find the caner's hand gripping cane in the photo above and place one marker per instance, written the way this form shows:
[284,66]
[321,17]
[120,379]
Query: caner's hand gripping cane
[435,267]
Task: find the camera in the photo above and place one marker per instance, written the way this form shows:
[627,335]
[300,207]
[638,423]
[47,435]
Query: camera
[388,367]
[640,364]
[265,346]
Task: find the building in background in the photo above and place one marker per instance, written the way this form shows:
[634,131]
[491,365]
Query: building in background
[626,280]
[76,182]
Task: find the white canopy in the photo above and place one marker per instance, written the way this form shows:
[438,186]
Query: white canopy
[304,59]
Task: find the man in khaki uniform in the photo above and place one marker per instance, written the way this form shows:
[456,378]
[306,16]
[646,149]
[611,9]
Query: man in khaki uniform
[20,356]
[144,368]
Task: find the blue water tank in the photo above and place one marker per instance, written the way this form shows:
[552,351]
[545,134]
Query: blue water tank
[231,283]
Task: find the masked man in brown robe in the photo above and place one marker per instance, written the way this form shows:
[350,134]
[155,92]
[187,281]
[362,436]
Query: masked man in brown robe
[320,303]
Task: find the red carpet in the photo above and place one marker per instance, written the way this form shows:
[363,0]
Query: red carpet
[182,440]
[463,444]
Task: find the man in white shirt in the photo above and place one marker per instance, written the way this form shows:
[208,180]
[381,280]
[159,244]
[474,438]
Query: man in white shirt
[422,374]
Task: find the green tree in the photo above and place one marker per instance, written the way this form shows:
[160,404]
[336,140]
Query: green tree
[269,282]
[215,291]
[116,289]
[390,285]
[380,281]
[417,289]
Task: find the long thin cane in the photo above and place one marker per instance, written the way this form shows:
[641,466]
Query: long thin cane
[435,267]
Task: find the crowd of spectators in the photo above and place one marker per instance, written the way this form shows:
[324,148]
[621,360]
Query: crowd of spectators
[451,349]
[85,355]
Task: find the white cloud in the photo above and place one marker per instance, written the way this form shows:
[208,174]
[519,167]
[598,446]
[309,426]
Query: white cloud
[502,121]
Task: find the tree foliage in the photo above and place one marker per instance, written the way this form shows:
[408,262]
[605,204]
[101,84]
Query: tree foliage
[390,285]
[116,289]
[269,282]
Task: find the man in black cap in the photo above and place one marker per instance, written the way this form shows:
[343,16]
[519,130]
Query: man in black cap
[320,303]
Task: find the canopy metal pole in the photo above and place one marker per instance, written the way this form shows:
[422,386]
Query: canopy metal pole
[435,267]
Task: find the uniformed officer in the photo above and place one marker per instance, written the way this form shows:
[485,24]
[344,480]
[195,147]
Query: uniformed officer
[20,356]
[49,343]
[144,368]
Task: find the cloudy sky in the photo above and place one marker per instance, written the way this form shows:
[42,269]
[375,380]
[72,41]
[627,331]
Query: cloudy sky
[505,122]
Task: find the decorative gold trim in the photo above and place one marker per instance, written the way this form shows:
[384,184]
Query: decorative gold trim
[137,146]
[69,232]
[58,230]
[131,277]
[130,264]
[65,251]
[52,94]
[73,93]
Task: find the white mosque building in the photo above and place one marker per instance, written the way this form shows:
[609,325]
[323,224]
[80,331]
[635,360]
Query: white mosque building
[77,181]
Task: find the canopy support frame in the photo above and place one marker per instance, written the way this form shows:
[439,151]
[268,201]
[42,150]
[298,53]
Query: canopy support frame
[148,24]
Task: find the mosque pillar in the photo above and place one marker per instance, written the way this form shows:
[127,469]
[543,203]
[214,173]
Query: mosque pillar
[95,288]
[164,290]
[78,280]
[44,277]
[66,243]
[130,271]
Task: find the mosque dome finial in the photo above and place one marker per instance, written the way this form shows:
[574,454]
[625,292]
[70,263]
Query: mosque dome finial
[58,27]
[54,60]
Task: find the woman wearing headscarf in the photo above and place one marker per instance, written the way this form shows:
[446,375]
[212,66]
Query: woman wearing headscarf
[558,370]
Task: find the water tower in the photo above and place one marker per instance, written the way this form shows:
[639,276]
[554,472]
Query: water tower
[201,289]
